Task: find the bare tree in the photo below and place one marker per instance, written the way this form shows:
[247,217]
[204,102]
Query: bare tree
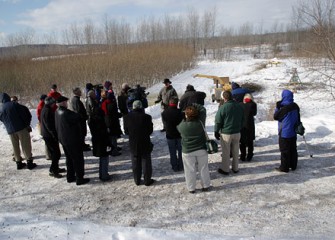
[318,19]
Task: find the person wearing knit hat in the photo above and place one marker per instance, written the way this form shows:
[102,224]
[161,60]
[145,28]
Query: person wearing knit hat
[139,126]
[248,129]
[195,156]
[172,117]
[164,96]
[122,102]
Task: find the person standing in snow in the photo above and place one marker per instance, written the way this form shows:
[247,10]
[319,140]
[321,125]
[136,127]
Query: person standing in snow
[122,102]
[172,116]
[287,113]
[49,134]
[229,120]
[69,135]
[78,107]
[248,129]
[140,127]
[164,96]
[38,113]
[195,156]
[17,119]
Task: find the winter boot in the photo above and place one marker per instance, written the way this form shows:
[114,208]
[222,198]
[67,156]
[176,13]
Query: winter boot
[30,164]
[20,165]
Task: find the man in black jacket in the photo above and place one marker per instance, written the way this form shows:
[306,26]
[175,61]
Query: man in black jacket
[69,135]
[140,127]
[49,134]
[78,107]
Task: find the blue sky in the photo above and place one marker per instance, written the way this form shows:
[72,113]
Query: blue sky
[45,16]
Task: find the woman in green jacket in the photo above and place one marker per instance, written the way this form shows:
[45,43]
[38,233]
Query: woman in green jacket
[195,156]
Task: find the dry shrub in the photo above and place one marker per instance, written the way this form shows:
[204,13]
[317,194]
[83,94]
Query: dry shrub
[144,64]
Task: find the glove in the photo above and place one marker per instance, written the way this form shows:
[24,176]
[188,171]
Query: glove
[278,104]
[157,101]
[217,135]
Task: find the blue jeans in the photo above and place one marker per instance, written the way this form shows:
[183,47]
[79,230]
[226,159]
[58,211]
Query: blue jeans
[176,159]
[103,168]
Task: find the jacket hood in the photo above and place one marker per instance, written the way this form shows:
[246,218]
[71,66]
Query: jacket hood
[4,97]
[287,97]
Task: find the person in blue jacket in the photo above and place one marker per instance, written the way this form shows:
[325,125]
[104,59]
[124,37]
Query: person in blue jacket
[287,113]
[17,119]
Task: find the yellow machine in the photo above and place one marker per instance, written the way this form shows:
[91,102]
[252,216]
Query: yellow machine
[221,84]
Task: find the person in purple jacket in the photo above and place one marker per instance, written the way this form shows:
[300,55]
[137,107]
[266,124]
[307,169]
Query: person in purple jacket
[287,113]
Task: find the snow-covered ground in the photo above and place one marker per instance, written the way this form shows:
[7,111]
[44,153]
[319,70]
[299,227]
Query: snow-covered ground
[256,203]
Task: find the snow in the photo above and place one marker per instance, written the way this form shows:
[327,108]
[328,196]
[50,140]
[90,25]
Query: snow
[256,203]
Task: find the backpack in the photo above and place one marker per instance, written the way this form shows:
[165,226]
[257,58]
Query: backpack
[137,93]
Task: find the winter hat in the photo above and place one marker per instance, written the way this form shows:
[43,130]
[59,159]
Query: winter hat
[124,86]
[166,80]
[43,96]
[49,101]
[234,85]
[137,104]
[247,98]
[53,86]
[189,87]
[61,99]
[107,84]
[89,86]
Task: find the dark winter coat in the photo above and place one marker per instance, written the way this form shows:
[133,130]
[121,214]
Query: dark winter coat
[99,134]
[48,127]
[14,116]
[190,97]
[250,110]
[172,116]
[287,114]
[78,107]
[140,127]
[92,106]
[68,127]
[122,101]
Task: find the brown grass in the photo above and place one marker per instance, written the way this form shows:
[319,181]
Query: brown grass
[140,64]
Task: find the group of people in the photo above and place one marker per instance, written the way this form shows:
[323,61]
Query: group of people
[184,121]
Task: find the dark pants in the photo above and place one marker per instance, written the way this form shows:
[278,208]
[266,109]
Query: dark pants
[74,162]
[288,153]
[246,142]
[140,162]
[54,153]
[176,159]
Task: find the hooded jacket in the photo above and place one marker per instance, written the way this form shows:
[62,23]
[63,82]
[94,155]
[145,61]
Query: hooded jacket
[14,116]
[287,114]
